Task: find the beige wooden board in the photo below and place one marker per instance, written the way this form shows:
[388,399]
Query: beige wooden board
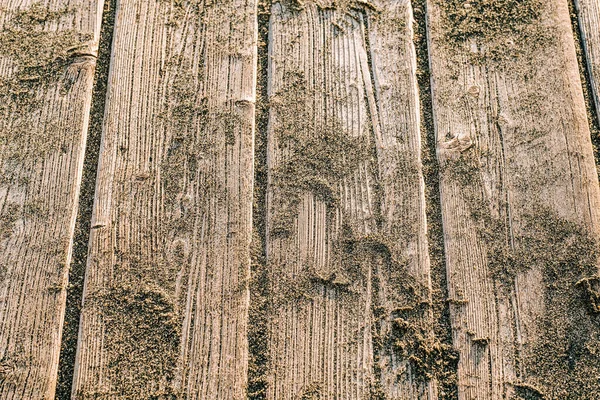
[520,199]
[47,61]
[166,290]
[588,12]
[346,233]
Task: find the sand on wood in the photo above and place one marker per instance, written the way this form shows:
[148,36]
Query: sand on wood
[166,291]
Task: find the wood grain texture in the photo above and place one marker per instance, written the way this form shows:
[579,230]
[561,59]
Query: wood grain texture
[588,13]
[520,199]
[346,231]
[166,291]
[47,60]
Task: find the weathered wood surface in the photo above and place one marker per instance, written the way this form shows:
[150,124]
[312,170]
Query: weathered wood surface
[520,199]
[346,233]
[166,291]
[47,60]
[588,13]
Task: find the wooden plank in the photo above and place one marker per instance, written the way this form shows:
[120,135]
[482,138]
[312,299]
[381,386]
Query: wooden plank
[48,52]
[166,291]
[520,199]
[346,232]
[588,13]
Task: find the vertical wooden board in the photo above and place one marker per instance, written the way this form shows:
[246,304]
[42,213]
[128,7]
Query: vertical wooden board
[520,199]
[48,52]
[166,290]
[588,13]
[346,232]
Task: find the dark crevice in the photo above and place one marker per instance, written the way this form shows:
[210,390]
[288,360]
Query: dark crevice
[259,285]
[586,82]
[68,348]
[447,379]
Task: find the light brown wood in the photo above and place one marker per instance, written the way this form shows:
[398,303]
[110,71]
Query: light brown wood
[520,200]
[48,52]
[346,232]
[166,290]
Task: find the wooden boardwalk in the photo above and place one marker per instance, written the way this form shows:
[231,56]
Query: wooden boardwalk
[520,202]
[346,239]
[166,294]
[344,260]
[47,60]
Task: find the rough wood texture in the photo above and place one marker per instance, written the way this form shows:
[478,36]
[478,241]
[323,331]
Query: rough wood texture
[47,60]
[520,199]
[346,241]
[588,12]
[166,290]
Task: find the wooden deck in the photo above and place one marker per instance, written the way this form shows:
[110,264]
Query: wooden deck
[265,163]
